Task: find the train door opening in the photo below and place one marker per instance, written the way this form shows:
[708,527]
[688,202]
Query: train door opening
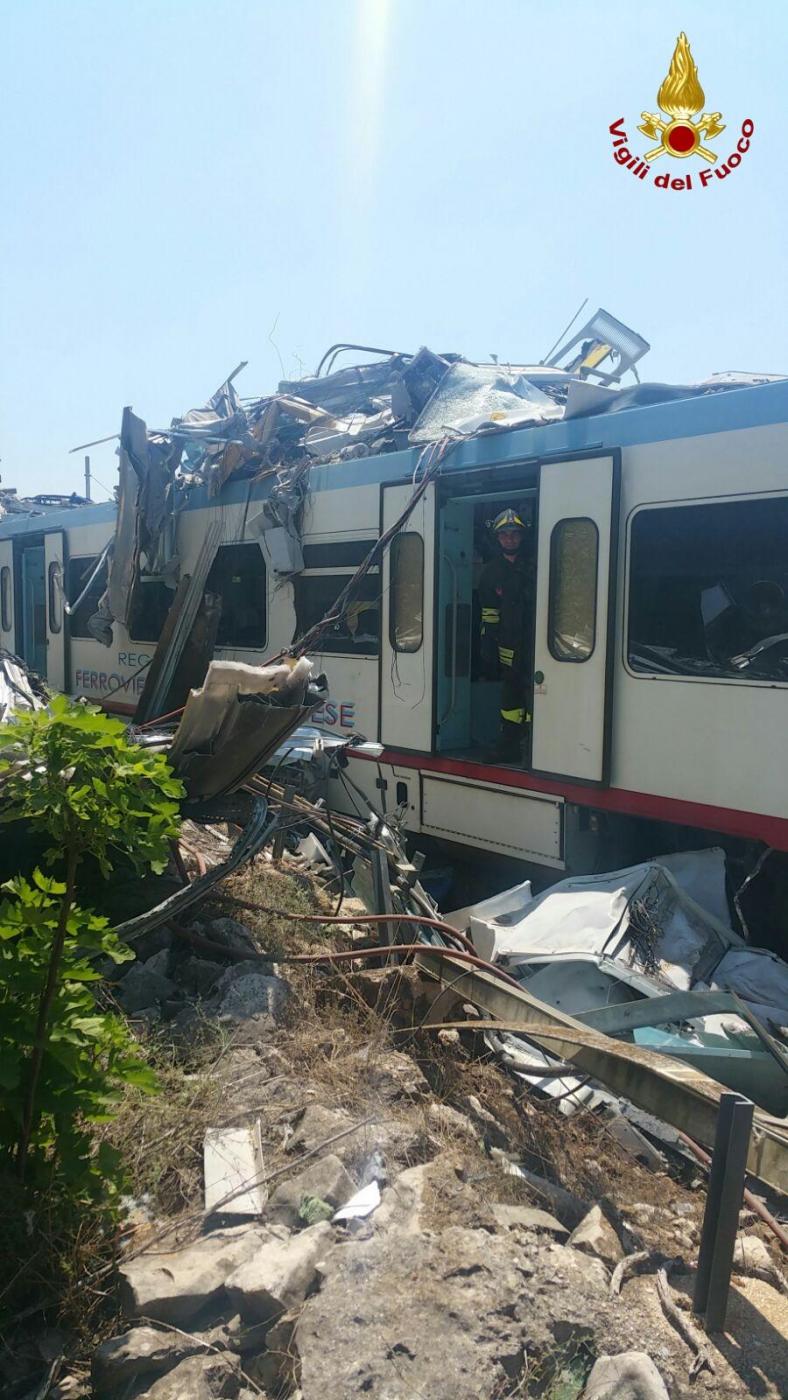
[473,686]
[543,700]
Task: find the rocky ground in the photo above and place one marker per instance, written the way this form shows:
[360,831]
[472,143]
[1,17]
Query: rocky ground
[489,1268]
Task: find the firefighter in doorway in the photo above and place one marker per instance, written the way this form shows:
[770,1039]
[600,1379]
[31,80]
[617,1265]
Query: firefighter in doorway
[506,597]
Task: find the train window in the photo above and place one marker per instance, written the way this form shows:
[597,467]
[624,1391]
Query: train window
[406,605]
[708,590]
[150,603]
[55,596]
[238,575]
[357,631]
[5,598]
[79,571]
[571,625]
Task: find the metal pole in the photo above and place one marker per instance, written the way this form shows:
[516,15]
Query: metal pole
[723,1204]
[381,887]
[730,1206]
[87,478]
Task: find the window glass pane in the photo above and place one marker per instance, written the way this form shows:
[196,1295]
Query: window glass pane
[55,599]
[708,590]
[237,574]
[357,633]
[406,607]
[574,548]
[79,571]
[5,598]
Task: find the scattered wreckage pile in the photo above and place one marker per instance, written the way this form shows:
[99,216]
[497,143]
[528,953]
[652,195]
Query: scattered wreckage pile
[448,1159]
[399,401]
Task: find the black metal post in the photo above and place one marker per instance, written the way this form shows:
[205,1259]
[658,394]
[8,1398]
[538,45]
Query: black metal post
[723,1204]
[730,1206]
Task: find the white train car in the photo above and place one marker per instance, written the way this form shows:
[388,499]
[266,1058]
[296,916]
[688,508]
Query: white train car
[660,666]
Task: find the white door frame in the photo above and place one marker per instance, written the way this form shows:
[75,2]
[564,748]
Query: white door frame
[572,704]
[407,678]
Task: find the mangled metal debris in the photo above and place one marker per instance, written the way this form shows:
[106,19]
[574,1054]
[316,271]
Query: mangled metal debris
[20,688]
[647,954]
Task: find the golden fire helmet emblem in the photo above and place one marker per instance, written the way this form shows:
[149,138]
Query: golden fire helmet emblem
[681,97]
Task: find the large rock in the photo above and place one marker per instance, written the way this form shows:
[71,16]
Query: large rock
[174,1286]
[143,987]
[630,1376]
[325,1178]
[143,1351]
[199,1378]
[232,935]
[449,1314]
[199,975]
[279,1275]
[596,1236]
[245,992]
[402,1207]
[316,1125]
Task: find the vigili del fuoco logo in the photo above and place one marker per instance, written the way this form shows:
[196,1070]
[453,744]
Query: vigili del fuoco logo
[685,130]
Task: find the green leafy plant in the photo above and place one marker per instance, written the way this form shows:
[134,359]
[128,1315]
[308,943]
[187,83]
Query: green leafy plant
[71,773]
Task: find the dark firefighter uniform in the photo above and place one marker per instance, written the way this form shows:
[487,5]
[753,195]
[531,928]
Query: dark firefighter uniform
[506,598]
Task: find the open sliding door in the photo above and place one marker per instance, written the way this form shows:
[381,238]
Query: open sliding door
[575,597]
[54,584]
[7,624]
[407,629]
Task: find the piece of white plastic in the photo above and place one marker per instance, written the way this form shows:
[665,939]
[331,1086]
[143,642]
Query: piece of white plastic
[361,1205]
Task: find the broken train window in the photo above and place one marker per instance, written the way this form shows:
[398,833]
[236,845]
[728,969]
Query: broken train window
[357,632]
[708,590]
[79,571]
[238,575]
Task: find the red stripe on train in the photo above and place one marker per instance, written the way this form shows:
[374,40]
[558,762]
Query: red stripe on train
[754,825]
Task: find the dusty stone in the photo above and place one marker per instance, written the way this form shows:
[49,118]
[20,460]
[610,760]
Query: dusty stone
[143,1351]
[595,1235]
[174,1286]
[199,1378]
[751,1256]
[160,962]
[315,1125]
[325,1178]
[142,987]
[491,1129]
[631,1375]
[444,1117]
[391,1076]
[450,1314]
[527,1218]
[231,934]
[199,975]
[244,994]
[402,1206]
[279,1275]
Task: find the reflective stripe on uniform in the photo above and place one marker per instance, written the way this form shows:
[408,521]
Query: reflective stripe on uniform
[514,716]
[506,656]
[491,615]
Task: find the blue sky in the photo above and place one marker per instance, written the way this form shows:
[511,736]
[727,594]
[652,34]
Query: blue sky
[189,184]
